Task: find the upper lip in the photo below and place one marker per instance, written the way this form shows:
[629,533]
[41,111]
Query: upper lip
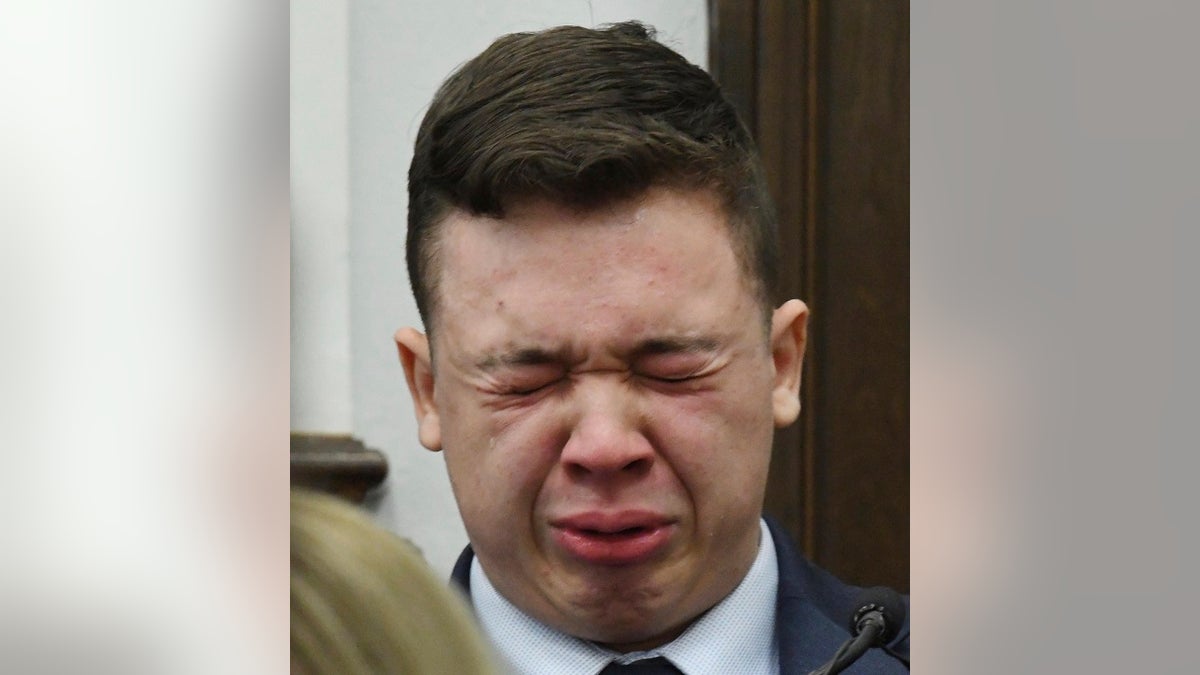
[612,521]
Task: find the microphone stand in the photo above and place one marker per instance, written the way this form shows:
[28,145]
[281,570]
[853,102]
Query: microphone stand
[870,627]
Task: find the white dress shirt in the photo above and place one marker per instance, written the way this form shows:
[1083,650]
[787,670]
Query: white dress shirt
[736,636]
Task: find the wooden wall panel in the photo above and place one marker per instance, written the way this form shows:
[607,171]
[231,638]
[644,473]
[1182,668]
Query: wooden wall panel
[824,88]
[863,292]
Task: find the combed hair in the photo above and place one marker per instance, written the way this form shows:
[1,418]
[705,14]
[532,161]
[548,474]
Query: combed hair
[582,117]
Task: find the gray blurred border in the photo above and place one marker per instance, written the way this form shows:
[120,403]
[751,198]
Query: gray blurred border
[1054,203]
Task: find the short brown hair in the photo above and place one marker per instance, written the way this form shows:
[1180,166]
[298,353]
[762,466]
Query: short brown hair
[582,117]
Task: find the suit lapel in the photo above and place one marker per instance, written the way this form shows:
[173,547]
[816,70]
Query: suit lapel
[461,575]
[806,637]
[812,607]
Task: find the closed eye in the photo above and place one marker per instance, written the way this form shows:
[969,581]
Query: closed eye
[529,384]
[529,390]
[675,361]
[674,380]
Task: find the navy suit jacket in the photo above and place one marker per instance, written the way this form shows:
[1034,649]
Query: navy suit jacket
[813,610]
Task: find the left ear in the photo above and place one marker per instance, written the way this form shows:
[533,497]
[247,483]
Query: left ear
[789,332]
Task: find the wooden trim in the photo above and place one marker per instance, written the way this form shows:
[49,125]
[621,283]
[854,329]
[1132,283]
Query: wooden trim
[337,464]
[732,57]
[823,87]
[812,374]
[764,55]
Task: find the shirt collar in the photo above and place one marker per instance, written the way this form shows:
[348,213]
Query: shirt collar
[736,635]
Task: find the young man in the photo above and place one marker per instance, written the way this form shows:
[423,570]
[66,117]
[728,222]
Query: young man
[592,250]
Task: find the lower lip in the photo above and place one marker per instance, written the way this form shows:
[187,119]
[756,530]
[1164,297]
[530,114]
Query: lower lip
[616,548]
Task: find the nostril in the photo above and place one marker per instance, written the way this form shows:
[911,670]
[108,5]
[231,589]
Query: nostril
[637,468]
[639,465]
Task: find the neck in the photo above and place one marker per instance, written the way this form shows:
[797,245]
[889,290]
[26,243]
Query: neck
[649,643]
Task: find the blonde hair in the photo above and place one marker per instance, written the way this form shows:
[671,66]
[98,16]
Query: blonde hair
[365,601]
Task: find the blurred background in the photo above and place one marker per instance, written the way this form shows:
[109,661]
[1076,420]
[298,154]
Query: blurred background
[143,356]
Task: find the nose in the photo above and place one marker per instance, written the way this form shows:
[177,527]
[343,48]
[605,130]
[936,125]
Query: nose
[607,438]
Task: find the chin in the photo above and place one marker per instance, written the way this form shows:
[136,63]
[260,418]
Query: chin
[620,616]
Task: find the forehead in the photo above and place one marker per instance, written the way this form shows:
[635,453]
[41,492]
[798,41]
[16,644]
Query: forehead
[651,234]
[642,260]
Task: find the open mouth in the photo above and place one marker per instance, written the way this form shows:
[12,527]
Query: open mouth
[616,534]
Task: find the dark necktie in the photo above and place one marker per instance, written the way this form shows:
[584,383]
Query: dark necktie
[655,666]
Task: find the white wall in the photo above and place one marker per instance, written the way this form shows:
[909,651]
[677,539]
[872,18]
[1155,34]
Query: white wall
[398,54]
[320,162]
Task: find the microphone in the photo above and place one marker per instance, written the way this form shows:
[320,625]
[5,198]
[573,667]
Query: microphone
[877,618]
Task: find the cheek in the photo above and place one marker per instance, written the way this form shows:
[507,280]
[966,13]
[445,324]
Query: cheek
[716,443]
[499,461]
[736,409]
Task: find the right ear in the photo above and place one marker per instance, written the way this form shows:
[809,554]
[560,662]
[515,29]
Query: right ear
[413,347]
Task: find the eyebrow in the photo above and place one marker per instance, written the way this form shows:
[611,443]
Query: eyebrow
[674,345]
[527,356]
[536,356]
